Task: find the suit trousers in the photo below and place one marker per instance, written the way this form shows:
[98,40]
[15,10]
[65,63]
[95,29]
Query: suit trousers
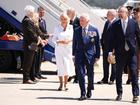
[106,69]
[27,63]
[39,55]
[121,61]
[82,67]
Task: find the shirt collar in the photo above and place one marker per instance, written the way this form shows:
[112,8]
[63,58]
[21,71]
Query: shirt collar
[86,28]
[112,20]
[126,20]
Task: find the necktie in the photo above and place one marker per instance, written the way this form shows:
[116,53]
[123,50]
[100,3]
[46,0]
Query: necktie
[109,24]
[126,47]
[124,26]
[84,31]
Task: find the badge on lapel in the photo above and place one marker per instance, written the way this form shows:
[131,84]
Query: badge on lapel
[92,34]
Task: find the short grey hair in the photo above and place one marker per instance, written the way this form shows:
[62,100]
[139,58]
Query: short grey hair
[113,12]
[29,9]
[85,15]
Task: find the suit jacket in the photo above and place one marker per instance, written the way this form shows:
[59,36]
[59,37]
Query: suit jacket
[118,37]
[75,22]
[86,50]
[29,34]
[42,25]
[105,39]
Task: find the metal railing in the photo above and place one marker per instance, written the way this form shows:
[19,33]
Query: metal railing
[48,8]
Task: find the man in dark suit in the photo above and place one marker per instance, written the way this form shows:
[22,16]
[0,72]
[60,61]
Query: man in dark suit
[123,41]
[111,18]
[40,52]
[74,20]
[29,37]
[86,50]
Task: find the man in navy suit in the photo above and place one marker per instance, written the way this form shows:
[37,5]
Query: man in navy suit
[74,20]
[123,41]
[111,18]
[86,50]
[40,52]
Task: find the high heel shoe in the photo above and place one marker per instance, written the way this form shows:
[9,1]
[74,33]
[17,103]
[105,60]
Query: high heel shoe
[66,88]
[59,89]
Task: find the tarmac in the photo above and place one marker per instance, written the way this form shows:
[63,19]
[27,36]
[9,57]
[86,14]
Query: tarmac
[13,92]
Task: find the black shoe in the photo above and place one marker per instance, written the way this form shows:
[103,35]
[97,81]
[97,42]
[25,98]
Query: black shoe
[135,99]
[28,82]
[70,78]
[102,82]
[82,98]
[75,81]
[119,98]
[35,80]
[111,82]
[89,94]
[42,77]
[128,81]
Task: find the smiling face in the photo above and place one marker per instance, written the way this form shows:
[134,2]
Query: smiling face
[64,20]
[123,13]
[84,21]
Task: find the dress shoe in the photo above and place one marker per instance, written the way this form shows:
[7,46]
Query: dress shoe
[42,77]
[82,98]
[35,80]
[89,94]
[75,81]
[119,98]
[128,81]
[135,99]
[70,78]
[28,82]
[102,82]
[111,82]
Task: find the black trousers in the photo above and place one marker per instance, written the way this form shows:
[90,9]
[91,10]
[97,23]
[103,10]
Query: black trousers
[106,69]
[121,61]
[27,63]
[38,56]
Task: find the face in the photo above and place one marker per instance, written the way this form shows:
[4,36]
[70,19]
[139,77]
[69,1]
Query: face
[137,15]
[64,20]
[83,21]
[41,13]
[70,14]
[123,13]
[109,16]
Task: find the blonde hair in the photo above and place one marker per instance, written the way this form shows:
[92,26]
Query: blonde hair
[65,16]
[35,18]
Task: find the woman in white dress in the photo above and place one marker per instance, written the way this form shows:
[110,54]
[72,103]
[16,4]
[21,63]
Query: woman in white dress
[63,35]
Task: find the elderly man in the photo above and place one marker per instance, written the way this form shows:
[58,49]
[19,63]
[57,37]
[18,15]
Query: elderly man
[29,38]
[111,18]
[123,41]
[86,51]
[74,20]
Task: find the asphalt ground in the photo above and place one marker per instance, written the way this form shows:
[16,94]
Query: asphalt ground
[13,92]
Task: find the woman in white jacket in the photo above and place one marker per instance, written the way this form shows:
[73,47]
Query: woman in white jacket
[63,35]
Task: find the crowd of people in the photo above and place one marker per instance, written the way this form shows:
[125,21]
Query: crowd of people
[77,48]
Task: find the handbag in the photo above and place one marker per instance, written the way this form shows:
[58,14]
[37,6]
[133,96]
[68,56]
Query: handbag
[33,46]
